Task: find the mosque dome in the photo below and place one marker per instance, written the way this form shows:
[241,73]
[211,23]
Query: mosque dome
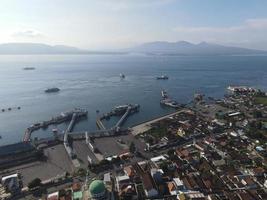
[97,188]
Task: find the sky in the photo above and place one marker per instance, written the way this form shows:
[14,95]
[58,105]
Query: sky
[108,24]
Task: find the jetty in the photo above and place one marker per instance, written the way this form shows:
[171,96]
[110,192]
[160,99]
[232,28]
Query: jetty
[63,117]
[123,110]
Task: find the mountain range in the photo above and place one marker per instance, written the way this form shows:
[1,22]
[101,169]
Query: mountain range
[155,48]
[187,48]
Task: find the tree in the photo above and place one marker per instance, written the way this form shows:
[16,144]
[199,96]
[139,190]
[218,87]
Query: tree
[61,193]
[70,140]
[170,152]
[35,183]
[132,147]
[257,114]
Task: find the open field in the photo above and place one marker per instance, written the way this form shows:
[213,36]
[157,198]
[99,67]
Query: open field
[261,100]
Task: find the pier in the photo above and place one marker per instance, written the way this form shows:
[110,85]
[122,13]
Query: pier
[125,115]
[99,124]
[72,122]
[124,110]
[63,117]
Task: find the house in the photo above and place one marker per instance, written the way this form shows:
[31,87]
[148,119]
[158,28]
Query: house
[192,195]
[157,175]
[11,183]
[128,192]
[172,188]
[129,170]
[149,186]
[121,181]
[53,196]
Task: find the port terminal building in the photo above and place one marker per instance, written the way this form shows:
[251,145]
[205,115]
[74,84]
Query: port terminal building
[18,153]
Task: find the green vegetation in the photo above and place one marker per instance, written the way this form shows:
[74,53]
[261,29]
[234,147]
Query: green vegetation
[158,132]
[257,134]
[35,183]
[261,100]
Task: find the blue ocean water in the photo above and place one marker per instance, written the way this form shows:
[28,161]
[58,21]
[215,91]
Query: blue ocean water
[92,82]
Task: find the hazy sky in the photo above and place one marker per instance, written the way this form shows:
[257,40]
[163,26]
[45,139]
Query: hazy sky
[96,24]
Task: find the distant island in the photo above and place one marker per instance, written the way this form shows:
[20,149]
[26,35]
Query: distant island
[43,49]
[187,48]
[151,48]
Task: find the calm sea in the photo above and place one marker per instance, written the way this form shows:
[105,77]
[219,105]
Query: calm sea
[92,82]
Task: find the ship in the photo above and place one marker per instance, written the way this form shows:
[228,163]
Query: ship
[122,75]
[167,101]
[170,103]
[51,90]
[29,68]
[162,77]
[164,94]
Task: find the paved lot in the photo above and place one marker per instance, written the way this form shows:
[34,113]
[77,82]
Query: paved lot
[82,151]
[110,146]
[57,163]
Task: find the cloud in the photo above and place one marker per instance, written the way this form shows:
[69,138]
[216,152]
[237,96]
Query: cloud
[250,24]
[28,34]
[247,34]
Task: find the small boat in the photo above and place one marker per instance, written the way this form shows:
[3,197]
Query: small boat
[54,130]
[162,77]
[9,109]
[19,108]
[3,110]
[122,75]
[52,90]
[0,137]
[97,111]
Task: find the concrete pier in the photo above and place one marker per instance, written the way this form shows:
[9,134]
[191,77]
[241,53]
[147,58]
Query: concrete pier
[63,117]
[99,124]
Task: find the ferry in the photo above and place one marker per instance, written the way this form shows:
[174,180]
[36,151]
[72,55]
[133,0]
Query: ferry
[51,90]
[162,77]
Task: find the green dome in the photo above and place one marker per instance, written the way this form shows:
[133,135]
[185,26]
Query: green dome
[97,187]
